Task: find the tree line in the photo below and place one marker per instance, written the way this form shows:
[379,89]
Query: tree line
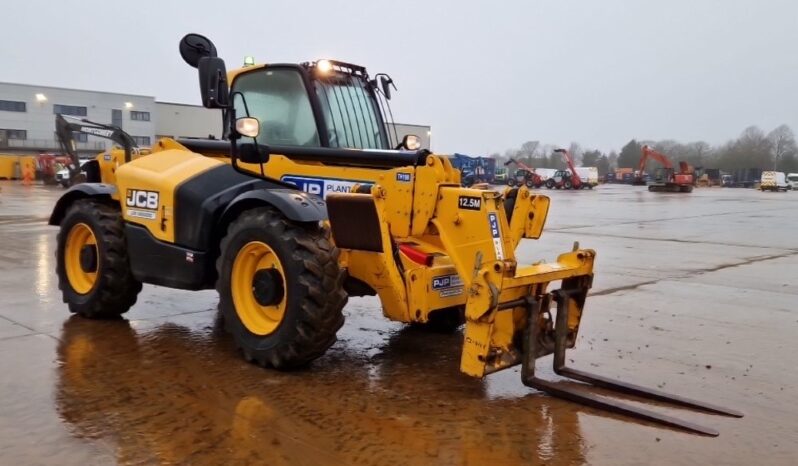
[754,148]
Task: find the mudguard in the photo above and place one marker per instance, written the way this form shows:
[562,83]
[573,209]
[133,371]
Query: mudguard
[296,205]
[79,191]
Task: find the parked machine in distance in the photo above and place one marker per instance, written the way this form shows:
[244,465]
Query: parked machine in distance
[568,179]
[102,166]
[666,178]
[524,175]
[727,181]
[745,177]
[62,176]
[500,176]
[774,181]
[473,169]
[792,180]
[48,166]
[707,177]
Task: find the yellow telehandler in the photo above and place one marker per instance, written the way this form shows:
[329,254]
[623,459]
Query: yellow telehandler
[310,199]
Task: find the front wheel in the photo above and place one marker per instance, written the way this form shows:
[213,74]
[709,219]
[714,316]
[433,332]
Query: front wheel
[280,288]
[530,184]
[568,185]
[549,184]
[92,261]
[511,183]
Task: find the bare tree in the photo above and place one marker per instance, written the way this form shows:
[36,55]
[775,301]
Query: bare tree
[576,152]
[782,142]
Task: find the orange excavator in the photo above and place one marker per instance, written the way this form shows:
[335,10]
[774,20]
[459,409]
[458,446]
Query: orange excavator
[666,178]
[524,175]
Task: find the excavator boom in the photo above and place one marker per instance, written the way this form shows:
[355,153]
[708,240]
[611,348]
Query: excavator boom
[66,126]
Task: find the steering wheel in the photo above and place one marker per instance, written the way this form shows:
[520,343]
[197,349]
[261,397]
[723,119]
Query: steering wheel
[278,133]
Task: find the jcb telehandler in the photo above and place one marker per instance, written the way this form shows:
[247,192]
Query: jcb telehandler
[308,201]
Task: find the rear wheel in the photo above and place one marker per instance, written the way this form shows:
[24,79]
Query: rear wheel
[530,184]
[280,289]
[92,261]
[511,182]
[549,184]
[568,184]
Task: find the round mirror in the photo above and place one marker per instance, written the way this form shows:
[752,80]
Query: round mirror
[194,46]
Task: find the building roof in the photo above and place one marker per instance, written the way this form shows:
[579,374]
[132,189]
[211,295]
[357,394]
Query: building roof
[37,86]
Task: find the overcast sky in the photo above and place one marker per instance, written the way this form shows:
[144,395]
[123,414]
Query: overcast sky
[486,76]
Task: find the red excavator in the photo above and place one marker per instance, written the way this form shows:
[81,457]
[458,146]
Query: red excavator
[566,179]
[524,174]
[666,179]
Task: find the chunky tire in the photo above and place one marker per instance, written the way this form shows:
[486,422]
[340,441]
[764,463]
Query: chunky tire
[114,290]
[530,184]
[511,183]
[568,185]
[313,292]
[549,184]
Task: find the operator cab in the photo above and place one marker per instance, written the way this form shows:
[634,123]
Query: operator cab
[317,104]
[321,104]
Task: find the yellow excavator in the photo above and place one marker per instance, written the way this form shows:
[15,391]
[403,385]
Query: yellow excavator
[310,199]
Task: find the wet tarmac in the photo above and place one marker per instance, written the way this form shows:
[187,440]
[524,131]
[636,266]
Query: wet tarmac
[695,293]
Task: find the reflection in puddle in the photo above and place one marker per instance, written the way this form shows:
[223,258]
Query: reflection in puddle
[170,394]
[44,268]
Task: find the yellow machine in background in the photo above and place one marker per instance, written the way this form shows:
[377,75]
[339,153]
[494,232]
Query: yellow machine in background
[311,200]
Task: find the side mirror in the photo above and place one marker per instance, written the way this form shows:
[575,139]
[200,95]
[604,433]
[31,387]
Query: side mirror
[194,46]
[213,82]
[253,153]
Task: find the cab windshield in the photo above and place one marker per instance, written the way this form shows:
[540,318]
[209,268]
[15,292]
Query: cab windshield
[279,99]
[350,113]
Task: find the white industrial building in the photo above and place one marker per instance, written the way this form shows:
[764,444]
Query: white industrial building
[27,118]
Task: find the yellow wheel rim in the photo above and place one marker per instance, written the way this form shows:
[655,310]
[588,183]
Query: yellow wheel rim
[81,277]
[258,288]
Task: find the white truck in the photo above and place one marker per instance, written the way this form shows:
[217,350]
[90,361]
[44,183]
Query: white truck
[773,181]
[62,176]
[589,175]
[792,180]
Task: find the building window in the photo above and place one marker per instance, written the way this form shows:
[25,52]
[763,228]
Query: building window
[69,110]
[12,106]
[16,133]
[116,118]
[139,116]
[142,140]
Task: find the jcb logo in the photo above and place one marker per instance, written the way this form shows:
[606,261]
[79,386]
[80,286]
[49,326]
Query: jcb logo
[142,199]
